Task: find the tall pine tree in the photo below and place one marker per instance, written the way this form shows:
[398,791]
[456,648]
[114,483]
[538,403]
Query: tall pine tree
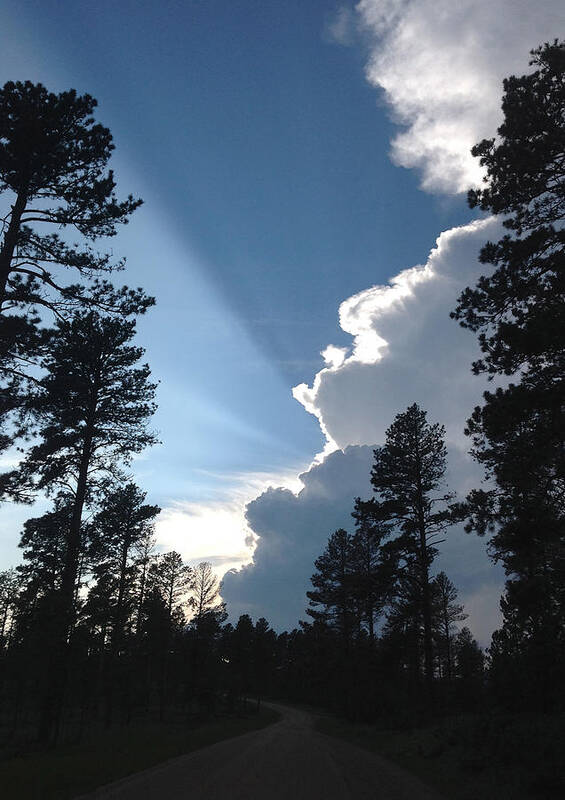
[408,477]
[54,177]
[518,312]
[93,404]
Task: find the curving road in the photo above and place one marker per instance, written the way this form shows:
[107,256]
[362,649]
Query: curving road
[285,761]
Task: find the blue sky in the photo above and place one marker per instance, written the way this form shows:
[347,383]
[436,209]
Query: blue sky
[259,134]
[262,156]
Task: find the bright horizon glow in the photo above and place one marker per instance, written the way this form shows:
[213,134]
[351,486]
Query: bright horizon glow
[217,531]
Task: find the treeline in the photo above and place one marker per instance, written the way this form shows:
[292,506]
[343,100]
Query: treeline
[96,627]
[131,650]
[388,628]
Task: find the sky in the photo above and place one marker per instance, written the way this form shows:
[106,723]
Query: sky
[305,232]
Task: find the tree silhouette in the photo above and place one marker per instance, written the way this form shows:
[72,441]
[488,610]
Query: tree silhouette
[469,666]
[446,612]
[145,557]
[53,163]
[44,544]
[9,585]
[206,591]
[518,312]
[403,632]
[119,535]
[241,656]
[209,613]
[174,579]
[264,653]
[93,403]
[332,599]
[53,173]
[408,476]
[519,307]
[120,528]
[373,566]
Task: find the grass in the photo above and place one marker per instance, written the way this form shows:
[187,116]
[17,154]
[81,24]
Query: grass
[71,770]
[492,757]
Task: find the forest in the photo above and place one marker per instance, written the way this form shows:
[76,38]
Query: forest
[100,628]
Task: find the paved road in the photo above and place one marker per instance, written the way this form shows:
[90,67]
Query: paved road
[285,761]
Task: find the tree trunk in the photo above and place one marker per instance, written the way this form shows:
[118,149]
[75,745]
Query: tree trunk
[141,597]
[10,242]
[447,646]
[119,623]
[370,601]
[427,615]
[117,637]
[50,717]
[4,621]
[425,578]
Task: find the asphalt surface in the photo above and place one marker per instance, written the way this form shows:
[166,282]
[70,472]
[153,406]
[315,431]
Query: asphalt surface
[288,760]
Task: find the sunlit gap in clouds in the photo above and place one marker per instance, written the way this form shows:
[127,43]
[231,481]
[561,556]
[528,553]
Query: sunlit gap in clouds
[217,531]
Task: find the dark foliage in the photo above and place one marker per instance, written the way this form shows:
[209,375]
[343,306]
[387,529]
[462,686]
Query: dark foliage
[53,173]
[408,476]
[518,309]
[53,161]
[92,405]
[518,434]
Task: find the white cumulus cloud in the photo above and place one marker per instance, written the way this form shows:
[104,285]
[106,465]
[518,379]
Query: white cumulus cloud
[405,348]
[440,64]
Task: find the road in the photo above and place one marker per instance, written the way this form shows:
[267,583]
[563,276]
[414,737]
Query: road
[288,760]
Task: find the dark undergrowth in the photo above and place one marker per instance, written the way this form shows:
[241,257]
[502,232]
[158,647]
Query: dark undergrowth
[104,756]
[491,756]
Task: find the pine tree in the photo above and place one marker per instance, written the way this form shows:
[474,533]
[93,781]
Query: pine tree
[53,173]
[53,164]
[332,601]
[446,612]
[206,594]
[403,632]
[373,570]
[44,544]
[9,587]
[518,311]
[174,579]
[469,665]
[93,404]
[145,557]
[408,478]
[264,647]
[241,655]
[120,529]
[209,614]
